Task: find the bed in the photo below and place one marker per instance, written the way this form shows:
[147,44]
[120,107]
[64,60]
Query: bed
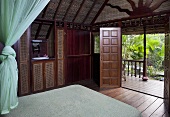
[72,101]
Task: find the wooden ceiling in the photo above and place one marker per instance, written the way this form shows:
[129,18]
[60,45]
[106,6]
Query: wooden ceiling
[91,12]
[118,9]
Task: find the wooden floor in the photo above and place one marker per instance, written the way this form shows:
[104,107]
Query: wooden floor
[148,105]
[151,87]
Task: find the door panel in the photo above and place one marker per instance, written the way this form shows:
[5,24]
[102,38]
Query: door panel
[110,57]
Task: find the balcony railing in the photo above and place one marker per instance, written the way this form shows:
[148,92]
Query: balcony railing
[133,68]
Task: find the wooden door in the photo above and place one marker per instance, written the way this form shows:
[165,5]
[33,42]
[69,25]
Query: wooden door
[110,57]
[167,66]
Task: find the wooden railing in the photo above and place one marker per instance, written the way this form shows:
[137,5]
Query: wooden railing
[133,68]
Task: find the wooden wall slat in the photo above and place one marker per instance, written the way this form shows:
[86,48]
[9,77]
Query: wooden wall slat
[78,56]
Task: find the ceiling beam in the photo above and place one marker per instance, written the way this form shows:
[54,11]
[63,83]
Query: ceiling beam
[157,4]
[40,25]
[119,9]
[71,3]
[134,17]
[100,10]
[140,3]
[49,31]
[55,14]
[148,3]
[89,11]
[132,3]
[78,11]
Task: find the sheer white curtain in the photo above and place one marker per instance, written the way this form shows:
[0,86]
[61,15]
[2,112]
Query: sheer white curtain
[15,18]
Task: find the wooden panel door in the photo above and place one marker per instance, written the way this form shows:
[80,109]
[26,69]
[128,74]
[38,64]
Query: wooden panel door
[167,67]
[49,74]
[110,57]
[37,76]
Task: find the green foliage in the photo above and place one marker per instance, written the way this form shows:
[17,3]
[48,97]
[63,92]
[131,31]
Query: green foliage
[97,44]
[150,71]
[132,48]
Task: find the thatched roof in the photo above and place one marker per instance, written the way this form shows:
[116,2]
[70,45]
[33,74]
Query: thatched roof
[89,12]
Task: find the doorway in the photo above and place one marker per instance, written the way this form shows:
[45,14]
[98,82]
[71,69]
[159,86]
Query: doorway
[133,54]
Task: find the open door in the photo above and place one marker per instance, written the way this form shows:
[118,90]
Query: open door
[110,57]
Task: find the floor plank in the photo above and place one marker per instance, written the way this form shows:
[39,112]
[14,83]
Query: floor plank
[147,103]
[152,87]
[160,111]
[151,109]
[149,106]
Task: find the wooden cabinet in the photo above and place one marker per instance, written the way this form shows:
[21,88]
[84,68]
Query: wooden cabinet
[43,75]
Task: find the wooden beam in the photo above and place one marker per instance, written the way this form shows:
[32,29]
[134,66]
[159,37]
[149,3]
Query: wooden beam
[89,11]
[49,31]
[132,4]
[40,25]
[44,20]
[71,3]
[134,17]
[119,9]
[158,4]
[140,3]
[144,63]
[148,3]
[78,10]
[55,14]
[100,10]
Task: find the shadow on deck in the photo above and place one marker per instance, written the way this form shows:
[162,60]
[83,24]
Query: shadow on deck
[151,87]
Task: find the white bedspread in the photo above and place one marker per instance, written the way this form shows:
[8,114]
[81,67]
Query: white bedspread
[72,101]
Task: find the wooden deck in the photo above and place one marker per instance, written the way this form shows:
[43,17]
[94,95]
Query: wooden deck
[149,106]
[151,87]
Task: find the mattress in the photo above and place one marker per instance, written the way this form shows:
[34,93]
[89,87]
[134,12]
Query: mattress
[72,101]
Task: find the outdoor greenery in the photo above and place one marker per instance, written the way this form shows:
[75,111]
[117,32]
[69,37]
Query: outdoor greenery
[133,49]
[97,44]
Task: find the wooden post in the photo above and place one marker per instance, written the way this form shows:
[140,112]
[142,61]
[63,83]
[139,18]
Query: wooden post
[144,42]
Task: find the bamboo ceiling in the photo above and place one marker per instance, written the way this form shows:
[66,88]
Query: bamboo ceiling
[89,12]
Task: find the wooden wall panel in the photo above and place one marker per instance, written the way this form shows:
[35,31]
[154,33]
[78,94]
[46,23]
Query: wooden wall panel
[69,50]
[23,58]
[78,56]
[81,42]
[49,74]
[61,56]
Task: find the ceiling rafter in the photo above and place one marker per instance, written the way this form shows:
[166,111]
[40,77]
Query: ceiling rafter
[100,10]
[89,11]
[40,25]
[140,3]
[148,3]
[132,3]
[119,9]
[49,31]
[71,3]
[78,10]
[55,14]
[157,5]
[141,9]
